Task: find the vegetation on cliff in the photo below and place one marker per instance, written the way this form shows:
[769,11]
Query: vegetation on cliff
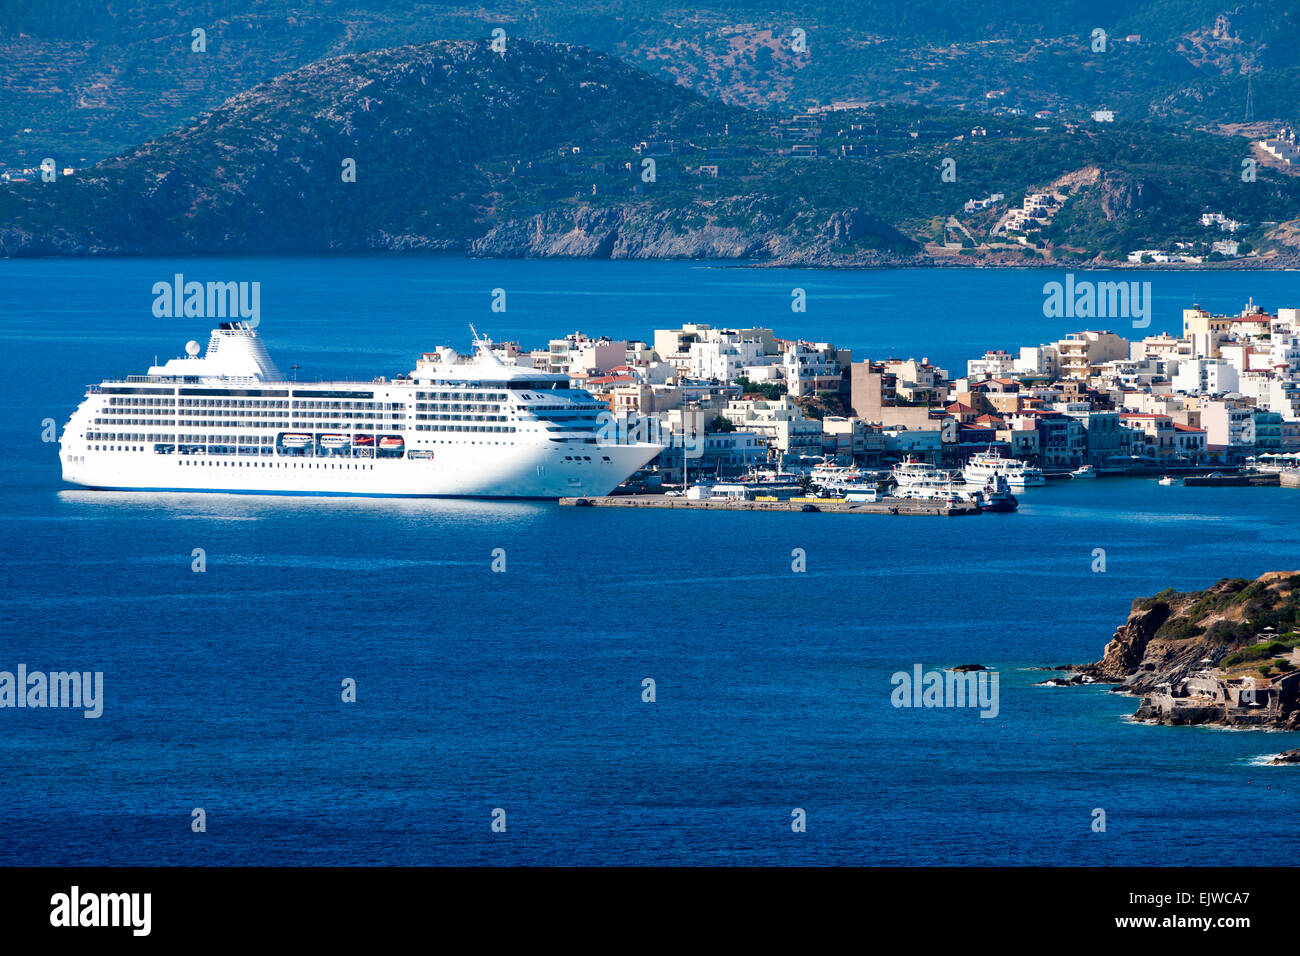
[1227,654]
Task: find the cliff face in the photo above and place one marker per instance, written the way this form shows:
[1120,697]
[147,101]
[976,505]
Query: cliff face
[1126,651]
[633,231]
[1224,655]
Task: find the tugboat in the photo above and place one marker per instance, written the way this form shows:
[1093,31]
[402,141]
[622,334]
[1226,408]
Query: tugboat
[997,495]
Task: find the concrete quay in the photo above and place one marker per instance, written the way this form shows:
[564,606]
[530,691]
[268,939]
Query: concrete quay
[885,506]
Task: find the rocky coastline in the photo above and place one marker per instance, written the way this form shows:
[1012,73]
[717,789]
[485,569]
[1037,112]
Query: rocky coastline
[1226,656]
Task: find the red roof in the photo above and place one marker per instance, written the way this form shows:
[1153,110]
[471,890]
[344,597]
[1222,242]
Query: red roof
[609,379]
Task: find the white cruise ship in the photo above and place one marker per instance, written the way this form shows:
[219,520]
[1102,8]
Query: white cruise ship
[983,466]
[229,421]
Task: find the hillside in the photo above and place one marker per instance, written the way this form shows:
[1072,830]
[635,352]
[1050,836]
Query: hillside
[437,132]
[541,152]
[86,79]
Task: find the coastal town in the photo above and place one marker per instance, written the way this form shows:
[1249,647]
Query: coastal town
[736,404]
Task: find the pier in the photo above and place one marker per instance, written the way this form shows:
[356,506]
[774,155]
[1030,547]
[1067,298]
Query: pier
[1241,480]
[885,506]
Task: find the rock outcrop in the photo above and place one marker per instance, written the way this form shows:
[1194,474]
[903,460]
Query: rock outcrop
[1124,655]
[1226,655]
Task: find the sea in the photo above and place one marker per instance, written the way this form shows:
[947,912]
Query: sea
[504,717]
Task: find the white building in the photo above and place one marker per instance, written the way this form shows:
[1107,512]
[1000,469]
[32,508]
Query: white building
[724,355]
[781,423]
[1205,377]
[812,367]
[1039,360]
[1228,425]
[994,364]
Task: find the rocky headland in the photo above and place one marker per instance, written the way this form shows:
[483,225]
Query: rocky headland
[1228,655]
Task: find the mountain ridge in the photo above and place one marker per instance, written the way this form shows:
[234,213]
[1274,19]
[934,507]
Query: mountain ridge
[556,150]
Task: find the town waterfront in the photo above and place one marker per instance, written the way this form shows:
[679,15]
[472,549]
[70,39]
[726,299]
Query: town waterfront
[523,690]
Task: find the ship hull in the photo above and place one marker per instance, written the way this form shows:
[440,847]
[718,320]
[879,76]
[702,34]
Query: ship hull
[479,472]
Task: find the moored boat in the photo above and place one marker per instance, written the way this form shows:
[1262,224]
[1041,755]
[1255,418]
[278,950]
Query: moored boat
[984,465]
[918,480]
[998,497]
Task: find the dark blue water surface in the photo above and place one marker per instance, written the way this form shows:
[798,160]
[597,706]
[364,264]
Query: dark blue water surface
[522,690]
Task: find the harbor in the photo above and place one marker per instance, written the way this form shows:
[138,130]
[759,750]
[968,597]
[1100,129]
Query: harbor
[747,652]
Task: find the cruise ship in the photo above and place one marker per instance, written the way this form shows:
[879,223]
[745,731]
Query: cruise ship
[984,465]
[228,421]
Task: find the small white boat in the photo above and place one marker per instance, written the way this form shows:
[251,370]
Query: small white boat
[1167,480]
[293,440]
[334,441]
[1087,471]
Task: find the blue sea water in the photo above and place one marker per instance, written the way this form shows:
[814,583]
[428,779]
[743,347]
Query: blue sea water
[522,690]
